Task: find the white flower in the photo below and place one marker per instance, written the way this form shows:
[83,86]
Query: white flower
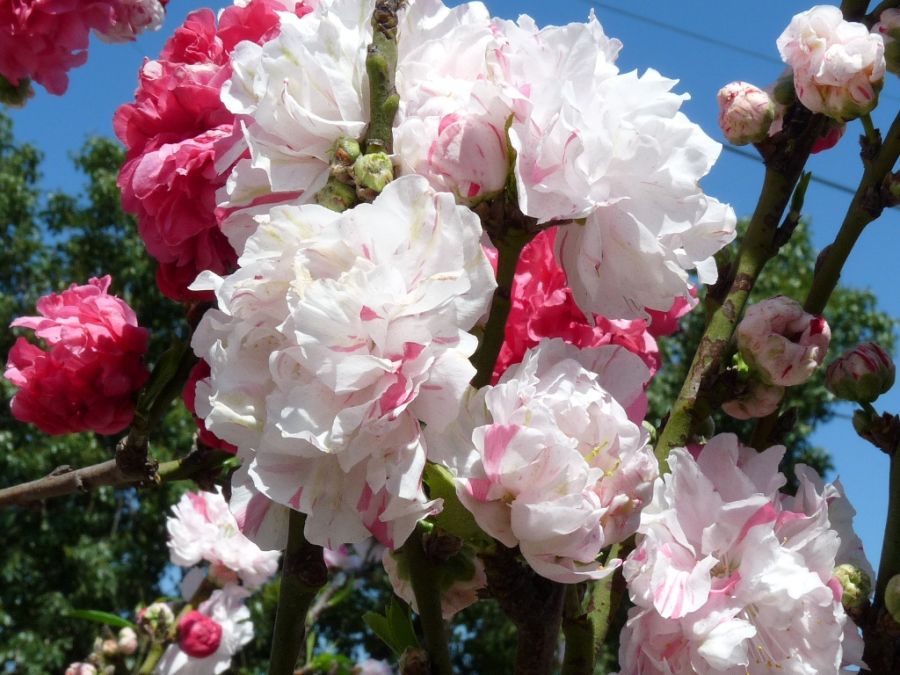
[548,459]
[613,149]
[838,65]
[131,17]
[336,338]
[731,576]
[202,528]
[226,608]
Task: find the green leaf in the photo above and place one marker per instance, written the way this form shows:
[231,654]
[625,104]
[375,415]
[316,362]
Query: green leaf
[400,620]
[101,617]
[454,518]
[164,371]
[380,626]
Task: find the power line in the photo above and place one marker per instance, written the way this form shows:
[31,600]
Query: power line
[694,35]
[815,179]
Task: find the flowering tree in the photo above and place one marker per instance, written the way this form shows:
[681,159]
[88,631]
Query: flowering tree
[424,255]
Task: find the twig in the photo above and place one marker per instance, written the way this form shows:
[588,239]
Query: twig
[381,65]
[424,579]
[302,576]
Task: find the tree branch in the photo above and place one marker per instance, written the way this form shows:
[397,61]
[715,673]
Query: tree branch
[303,574]
[65,480]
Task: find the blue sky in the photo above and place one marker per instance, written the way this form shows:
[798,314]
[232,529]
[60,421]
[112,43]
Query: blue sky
[59,125]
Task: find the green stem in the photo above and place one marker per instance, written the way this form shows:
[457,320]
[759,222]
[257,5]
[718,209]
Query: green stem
[424,576]
[157,649]
[484,360]
[866,206]
[381,66]
[303,574]
[890,553]
[579,657]
[869,128]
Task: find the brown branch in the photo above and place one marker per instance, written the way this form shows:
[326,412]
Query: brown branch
[65,480]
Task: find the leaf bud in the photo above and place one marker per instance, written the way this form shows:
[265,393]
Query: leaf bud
[856,585]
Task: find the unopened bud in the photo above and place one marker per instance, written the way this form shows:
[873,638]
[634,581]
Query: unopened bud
[783,90]
[892,597]
[156,619]
[745,113]
[856,585]
[861,374]
[198,635]
[759,400]
[374,171]
[81,669]
[128,641]
[346,150]
[829,139]
[414,661]
[336,196]
[888,27]
[109,648]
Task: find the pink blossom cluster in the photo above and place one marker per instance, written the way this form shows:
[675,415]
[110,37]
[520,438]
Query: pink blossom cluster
[550,461]
[202,529]
[175,132]
[731,576]
[542,306]
[44,39]
[86,378]
[338,336]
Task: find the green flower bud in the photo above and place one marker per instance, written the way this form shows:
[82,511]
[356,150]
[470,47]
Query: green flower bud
[336,196]
[892,597]
[156,619]
[346,150]
[861,374]
[373,172]
[856,584]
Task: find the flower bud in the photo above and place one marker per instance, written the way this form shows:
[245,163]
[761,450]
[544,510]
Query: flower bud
[109,648]
[838,65]
[861,374]
[781,343]
[782,91]
[346,150]
[745,113]
[759,400]
[198,635]
[856,585]
[156,619]
[829,139]
[892,597]
[336,195]
[888,27]
[374,171]
[81,669]
[128,641]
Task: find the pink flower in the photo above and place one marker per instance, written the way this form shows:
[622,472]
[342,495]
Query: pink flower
[888,27]
[44,39]
[838,65]
[782,344]
[731,576]
[85,380]
[745,113]
[203,529]
[543,307]
[175,132]
[198,635]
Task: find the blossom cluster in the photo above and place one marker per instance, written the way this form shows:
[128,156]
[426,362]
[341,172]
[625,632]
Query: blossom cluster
[730,575]
[43,39]
[86,378]
[202,529]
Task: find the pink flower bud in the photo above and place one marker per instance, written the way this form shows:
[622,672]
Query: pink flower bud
[745,113]
[759,400]
[829,139]
[861,374]
[81,669]
[838,65]
[86,378]
[198,635]
[128,641]
[888,27]
[781,343]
